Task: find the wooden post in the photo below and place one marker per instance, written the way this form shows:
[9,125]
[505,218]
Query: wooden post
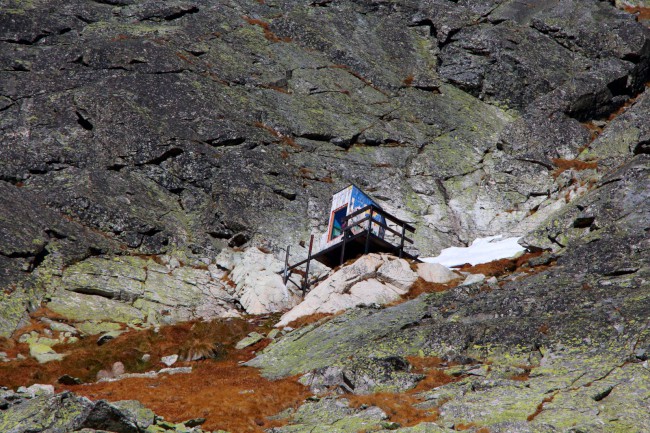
[345,240]
[401,244]
[305,282]
[285,275]
[369,230]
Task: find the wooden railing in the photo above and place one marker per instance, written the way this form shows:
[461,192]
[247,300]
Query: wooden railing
[374,210]
[347,234]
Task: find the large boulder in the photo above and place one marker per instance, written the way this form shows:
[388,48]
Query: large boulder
[57,414]
[364,376]
[436,273]
[371,279]
[258,284]
[33,411]
[140,289]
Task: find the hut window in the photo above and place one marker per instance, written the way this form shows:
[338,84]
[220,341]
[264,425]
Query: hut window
[337,222]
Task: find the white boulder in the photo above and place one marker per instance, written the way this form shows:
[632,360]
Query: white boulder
[473,279]
[258,284]
[436,273]
[398,273]
[169,360]
[372,279]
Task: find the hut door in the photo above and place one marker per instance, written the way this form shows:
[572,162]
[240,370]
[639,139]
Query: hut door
[337,222]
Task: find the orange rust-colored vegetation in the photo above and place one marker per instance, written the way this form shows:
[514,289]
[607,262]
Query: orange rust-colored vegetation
[499,267]
[85,358]
[288,140]
[308,173]
[642,13]
[184,58]
[421,286]
[266,28]
[120,37]
[12,348]
[571,164]
[228,395]
[400,408]
[540,408]
[543,328]
[359,77]
[309,319]
[276,88]
[524,376]
[493,268]
[623,108]
[594,129]
[431,367]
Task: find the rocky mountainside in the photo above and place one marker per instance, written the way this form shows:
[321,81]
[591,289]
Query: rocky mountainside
[152,154]
[140,127]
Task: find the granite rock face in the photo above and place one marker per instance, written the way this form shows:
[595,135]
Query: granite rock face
[143,128]
[98,294]
[140,141]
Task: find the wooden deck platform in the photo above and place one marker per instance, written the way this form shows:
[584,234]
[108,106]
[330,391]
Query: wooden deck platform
[357,239]
[355,246]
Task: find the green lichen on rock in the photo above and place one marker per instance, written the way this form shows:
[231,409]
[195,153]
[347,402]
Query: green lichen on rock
[64,412]
[343,336]
[425,427]
[80,307]
[120,277]
[13,311]
[95,327]
[333,415]
[549,350]
[44,353]
[142,416]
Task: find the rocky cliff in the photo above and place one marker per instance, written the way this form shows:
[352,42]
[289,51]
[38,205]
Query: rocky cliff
[133,127]
[139,139]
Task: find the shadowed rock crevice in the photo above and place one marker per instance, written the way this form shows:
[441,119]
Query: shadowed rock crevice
[84,122]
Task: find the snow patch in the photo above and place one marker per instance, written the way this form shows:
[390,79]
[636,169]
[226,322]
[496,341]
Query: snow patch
[482,250]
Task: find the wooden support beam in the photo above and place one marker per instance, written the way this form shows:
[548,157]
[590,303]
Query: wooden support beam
[345,241]
[305,284]
[369,231]
[285,275]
